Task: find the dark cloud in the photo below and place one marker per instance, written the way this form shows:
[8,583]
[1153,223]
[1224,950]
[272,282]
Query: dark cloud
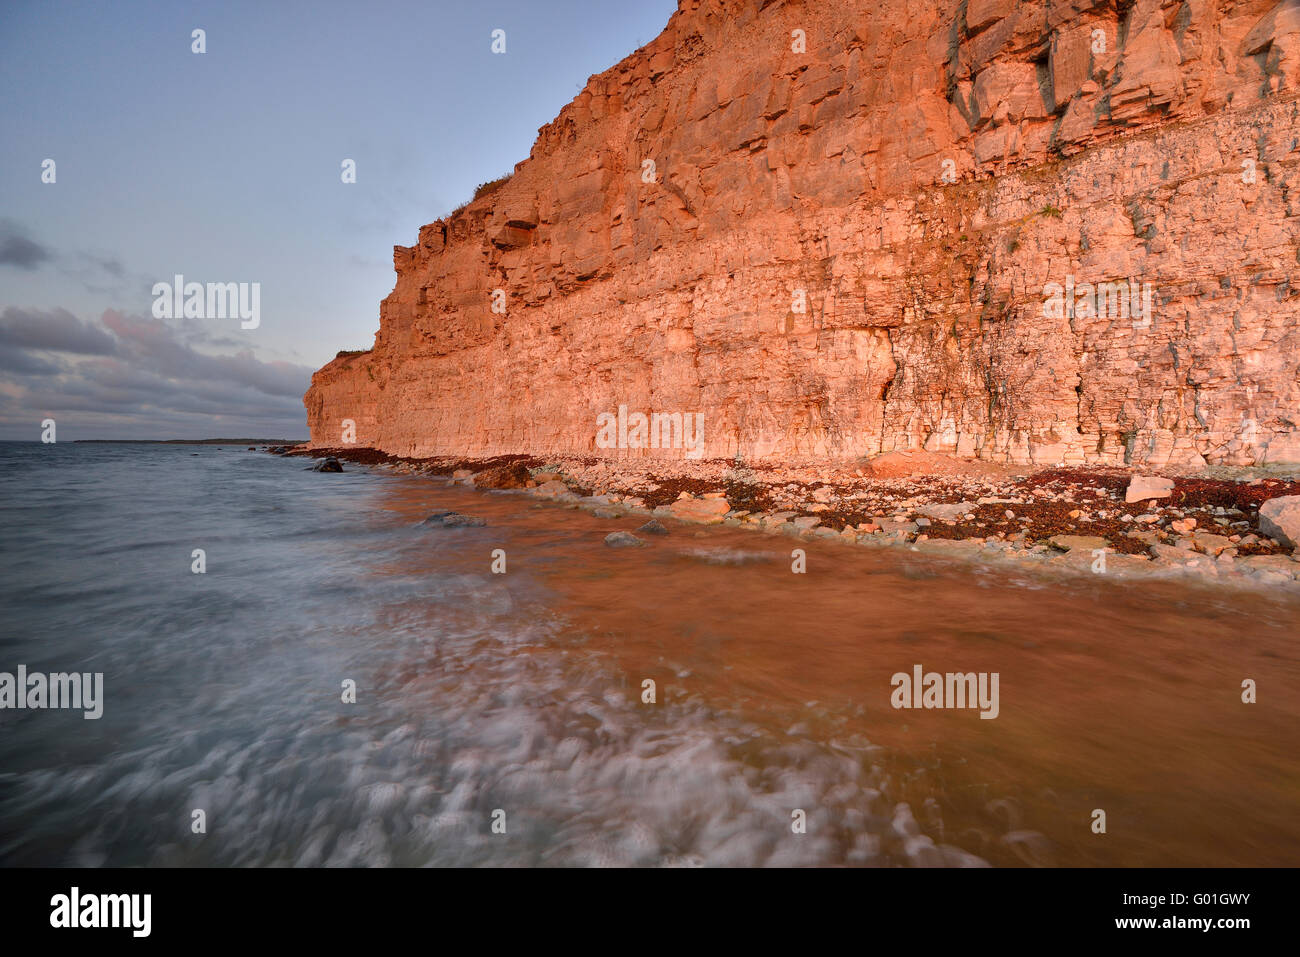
[53,330]
[94,271]
[20,250]
[134,373]
[18,362]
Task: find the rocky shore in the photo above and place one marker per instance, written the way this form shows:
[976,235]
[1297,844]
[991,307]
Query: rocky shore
[1230,528]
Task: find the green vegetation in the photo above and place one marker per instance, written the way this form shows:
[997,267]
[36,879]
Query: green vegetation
[1050,210]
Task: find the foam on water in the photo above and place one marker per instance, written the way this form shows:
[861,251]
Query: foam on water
[523,692]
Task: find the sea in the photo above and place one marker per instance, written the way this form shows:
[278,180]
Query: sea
[296,671]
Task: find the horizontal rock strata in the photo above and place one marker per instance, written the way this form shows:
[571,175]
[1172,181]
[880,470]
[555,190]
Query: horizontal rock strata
[831,229]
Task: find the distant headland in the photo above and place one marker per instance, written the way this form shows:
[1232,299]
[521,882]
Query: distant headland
[191,441]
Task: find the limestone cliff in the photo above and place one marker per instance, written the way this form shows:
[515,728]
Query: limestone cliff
[839,227]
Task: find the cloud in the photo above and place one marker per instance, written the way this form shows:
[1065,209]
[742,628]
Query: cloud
[135,376]
[53,330]
[18,249]
[95,271]
[25,363]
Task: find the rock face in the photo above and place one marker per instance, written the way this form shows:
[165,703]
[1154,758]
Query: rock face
[1031,232]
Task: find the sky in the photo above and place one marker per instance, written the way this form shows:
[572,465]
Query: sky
[226,166]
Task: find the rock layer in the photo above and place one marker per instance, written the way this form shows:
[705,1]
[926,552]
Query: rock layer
[838,228]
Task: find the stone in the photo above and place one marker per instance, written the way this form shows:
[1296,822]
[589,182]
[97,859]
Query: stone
[946,513]
[1171,554]
[1279,519]
[1143,487]
[1266,565]
[706,511]
[653,527]
[1212,544]
[329,464]
[623,540]
[446,518]
[552,489]
[513,475]
[1069,543]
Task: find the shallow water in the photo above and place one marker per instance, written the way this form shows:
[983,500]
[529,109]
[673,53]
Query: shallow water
[522,692]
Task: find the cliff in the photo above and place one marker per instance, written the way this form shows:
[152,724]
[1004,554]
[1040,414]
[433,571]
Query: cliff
[835,228]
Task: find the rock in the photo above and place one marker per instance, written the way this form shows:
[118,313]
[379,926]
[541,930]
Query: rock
[1279,519]
[1143,487]
[329,464]
[947,513]
[806,521]
[706,511]
[623,540]
[552,489]
[653,527]
[462,475]
[446,518]
[1274,568]
[1183,526]
[463,521]
[1212,544]
[955,547]
[512,475]
[1170,554]
[1069,543]
[605,512]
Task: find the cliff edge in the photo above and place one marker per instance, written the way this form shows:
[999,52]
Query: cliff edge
[1033,232]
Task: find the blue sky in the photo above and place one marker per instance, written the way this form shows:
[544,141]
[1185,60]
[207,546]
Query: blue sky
[225,167]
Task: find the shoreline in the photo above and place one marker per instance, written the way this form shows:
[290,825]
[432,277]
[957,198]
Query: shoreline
[1072,520]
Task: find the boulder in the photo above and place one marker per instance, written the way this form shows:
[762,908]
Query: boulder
[1084,543]
[653,527]
[623,540]
[945,513]
[551,489]
[446,518]
[329,464]
[1143,487]
[1279,519]
[705,511]
[513,475]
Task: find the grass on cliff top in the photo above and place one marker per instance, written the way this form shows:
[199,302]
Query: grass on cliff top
[481,190]
[347,353]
